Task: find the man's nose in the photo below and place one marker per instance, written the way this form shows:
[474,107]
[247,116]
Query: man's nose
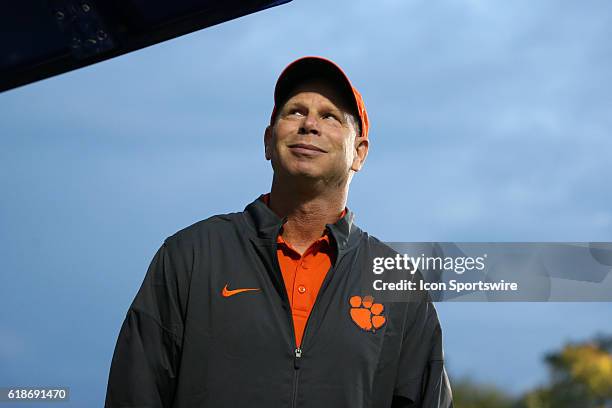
[310,124]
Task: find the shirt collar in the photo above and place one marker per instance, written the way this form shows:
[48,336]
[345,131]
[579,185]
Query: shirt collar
[267,224]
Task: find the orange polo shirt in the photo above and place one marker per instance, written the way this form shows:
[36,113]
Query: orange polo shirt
[303,275]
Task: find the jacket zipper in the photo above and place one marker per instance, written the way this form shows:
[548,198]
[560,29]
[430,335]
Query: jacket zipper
[298,352]
[296,375]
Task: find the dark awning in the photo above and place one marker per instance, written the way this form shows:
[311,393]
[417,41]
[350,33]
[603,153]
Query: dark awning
[42,38]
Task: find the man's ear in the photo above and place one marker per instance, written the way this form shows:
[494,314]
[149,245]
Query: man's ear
[361,152]
[268,142]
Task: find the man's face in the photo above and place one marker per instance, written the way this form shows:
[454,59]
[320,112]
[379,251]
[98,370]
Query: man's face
[314,136]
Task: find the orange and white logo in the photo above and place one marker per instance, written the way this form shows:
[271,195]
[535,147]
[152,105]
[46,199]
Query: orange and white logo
[227,292]
[366,314]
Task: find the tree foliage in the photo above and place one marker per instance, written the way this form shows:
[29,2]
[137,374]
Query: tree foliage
[468,394]
[580,377]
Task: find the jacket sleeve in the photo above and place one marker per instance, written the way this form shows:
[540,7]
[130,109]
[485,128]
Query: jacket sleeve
[145,363]
[422,381]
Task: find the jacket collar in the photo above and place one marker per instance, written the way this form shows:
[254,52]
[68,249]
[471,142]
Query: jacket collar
[267,224]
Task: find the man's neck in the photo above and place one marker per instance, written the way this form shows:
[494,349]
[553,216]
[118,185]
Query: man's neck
[307,212]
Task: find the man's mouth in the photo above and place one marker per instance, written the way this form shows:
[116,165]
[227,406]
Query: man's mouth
[305,147]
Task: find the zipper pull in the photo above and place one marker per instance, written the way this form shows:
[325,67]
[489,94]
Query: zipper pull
[296,360]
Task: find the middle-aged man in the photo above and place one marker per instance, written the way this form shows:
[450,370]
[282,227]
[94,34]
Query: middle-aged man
[265,307]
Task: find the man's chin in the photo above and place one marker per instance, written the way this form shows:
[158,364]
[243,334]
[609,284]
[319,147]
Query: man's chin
[301,169]
[307,175]
[302,172]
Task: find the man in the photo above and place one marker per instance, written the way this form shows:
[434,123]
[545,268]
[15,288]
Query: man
[265,308]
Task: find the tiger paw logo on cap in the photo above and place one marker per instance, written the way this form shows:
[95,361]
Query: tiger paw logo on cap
[366,314]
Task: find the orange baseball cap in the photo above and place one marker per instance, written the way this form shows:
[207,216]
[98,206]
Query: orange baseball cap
[318,67]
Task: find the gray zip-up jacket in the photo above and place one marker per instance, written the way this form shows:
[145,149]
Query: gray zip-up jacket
[186,342]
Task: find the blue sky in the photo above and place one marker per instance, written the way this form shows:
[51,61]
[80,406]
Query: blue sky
[491,121]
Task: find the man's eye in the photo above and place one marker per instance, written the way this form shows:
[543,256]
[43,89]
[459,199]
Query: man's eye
[295,112]
[331,116]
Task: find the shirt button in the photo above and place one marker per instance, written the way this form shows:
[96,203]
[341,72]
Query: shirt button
[301,288]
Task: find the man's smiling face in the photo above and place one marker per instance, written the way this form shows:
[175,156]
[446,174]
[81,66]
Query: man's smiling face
[314,135]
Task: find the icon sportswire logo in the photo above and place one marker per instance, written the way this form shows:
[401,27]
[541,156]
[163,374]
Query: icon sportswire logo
[231,292]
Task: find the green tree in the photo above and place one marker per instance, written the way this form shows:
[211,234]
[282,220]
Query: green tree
[580,376]
[468,394]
